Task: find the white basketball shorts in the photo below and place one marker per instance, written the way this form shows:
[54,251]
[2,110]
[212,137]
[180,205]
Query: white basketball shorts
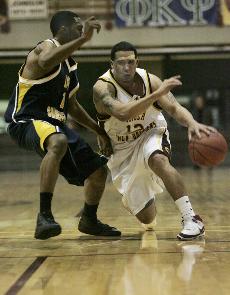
[131,173]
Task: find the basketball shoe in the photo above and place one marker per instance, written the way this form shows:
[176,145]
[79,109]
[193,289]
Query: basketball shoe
[46,227]
[93,226]
[192,228]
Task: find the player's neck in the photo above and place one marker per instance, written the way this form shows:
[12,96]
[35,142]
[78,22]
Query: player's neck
[134,86]
[126,84]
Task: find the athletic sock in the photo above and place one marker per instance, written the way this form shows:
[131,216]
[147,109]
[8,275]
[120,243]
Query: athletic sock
[45,203]
[90,210]
[185,207]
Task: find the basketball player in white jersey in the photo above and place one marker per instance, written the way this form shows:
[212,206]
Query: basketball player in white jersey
[129,102]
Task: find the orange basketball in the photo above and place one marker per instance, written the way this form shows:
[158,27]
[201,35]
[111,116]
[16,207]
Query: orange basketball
[209,150]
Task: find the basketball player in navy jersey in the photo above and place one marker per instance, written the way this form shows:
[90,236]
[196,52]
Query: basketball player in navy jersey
[129,102]
[37,111]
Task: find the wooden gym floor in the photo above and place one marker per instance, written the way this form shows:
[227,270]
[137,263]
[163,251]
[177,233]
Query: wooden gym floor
[138,263]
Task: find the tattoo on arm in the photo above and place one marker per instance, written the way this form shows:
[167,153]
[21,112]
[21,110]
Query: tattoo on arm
[103,97]
[108,103]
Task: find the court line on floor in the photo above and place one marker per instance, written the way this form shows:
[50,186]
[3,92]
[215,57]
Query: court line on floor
[112,239]
[21,281]
[112,254]
[221,228]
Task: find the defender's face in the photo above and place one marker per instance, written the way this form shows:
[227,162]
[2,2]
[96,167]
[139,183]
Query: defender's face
[76,29]
[124,65]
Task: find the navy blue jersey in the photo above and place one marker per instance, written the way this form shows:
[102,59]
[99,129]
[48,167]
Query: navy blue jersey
[46,98]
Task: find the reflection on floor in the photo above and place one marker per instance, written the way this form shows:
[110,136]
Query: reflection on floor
[152,262]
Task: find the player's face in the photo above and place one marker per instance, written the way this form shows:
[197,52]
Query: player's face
[76,30]
[124,65]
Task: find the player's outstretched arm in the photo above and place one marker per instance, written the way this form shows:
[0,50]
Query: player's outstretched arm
[104,96]
[59,54]
[46,56]
[179,113]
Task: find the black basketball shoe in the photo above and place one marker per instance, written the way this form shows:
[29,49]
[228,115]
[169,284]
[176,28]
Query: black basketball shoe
[93,226]
[46,227]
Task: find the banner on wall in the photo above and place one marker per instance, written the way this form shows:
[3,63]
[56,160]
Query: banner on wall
[27,9]
[134,13]
[225,12]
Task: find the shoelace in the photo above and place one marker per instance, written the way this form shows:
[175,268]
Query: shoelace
[194,219]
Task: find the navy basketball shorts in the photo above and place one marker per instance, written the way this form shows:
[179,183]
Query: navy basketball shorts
[79,162]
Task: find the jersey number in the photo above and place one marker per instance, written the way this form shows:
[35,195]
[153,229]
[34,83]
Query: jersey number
[136,127]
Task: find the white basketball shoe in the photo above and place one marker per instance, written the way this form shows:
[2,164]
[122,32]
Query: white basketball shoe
[192,228]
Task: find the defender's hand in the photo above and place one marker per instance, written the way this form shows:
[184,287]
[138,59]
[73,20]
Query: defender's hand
[104,144]
[91,24]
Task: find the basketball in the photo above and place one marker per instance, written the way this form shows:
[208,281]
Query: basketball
[209,150]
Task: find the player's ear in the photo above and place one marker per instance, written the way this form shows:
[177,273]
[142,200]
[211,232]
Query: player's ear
[111,64]
[137,61]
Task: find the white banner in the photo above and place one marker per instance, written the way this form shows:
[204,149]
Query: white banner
[27,9]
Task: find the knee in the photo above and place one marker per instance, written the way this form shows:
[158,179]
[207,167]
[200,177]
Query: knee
[57,144]
[159,162]
[148,213]
[146,219]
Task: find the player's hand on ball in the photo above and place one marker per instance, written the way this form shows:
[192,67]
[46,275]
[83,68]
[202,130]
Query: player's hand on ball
[208,150]
[196,128]
[105,147]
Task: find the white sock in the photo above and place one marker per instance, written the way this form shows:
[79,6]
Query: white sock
[185,207]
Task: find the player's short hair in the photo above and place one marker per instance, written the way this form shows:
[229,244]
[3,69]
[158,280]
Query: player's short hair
[122,46]
[62,18]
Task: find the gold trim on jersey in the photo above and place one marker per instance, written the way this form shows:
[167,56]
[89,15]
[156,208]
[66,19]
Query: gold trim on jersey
[22,90]
[71,69]
[74,91]
[44,129]
[39,81]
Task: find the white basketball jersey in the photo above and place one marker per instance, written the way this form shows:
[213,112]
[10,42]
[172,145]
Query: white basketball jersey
[124,133]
